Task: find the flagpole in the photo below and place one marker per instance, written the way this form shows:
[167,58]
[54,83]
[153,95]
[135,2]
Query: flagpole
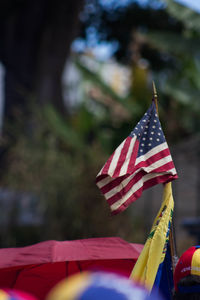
[172,241]
[155,96]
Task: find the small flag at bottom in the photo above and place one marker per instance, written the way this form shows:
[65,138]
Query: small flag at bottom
[142,160]
[150,261]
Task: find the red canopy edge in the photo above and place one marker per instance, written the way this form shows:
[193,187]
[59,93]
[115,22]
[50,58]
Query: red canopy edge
[57,251]
[36,269]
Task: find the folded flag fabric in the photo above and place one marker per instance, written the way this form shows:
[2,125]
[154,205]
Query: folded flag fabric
[142,160]
[149,265]
[164,283]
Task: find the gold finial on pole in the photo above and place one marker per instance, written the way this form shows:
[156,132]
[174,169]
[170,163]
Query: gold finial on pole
[155,96]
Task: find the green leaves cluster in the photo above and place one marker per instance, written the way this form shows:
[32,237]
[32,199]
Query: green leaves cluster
[180,84]
[58,164]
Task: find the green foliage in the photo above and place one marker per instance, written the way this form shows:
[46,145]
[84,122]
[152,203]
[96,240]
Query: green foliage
[174,43]
[62,129]
[57,158]
[180,84]
[184,14]
[57,165]
[96,79]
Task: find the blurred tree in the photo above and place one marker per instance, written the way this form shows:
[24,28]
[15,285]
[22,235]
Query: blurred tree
[127,26]
[180,85]
[35,40]
[166,34]
[60,169]
[119,23]
[59,157]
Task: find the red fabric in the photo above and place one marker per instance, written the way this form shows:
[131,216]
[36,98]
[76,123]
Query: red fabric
[15,295]
[36,269]
[183,267]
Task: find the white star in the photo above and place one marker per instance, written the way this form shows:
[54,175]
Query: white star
[151,138]
[144,139]
[149,144]
[153,126]
[155,121]
[156,115]
[142,145]
[143,120]
[159,133]
[152,132]
[158,140]
[141,150]
[145,132]
[159,128]
[146,126]
[142,127]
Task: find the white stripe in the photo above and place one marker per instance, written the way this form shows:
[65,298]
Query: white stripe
[115,159]
[115,154]
[105,181]
[152,152]
[100,171]
[136,187]
[172,171]
[119,187]
[148,169]
[124,168]
[157,164]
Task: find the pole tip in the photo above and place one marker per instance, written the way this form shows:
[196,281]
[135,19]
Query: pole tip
[154,90]
[155,97]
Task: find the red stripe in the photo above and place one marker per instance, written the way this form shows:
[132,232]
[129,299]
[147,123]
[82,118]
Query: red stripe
[107,165]
[100,177]
[134,153]
[159,179]
[153,159]
[125,190]
[151,182]
[134,180]
[130,200]
[112,184]
[122,156]
[165,168]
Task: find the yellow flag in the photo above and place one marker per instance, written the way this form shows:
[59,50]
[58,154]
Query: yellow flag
[153,253]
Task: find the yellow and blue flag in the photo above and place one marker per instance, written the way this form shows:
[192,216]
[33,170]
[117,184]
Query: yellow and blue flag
[164,279]
[150,264]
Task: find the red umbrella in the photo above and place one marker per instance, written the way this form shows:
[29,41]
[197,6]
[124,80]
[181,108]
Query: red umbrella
[36,269]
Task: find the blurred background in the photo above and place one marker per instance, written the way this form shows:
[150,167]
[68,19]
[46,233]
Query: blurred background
[75,77]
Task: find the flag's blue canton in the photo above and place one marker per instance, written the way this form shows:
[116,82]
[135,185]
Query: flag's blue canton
[148,131]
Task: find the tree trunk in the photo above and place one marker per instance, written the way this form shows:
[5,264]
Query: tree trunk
[60,30]
[35,39]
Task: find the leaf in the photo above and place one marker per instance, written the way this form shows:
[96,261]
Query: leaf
[174,43]
[62,129]
[189,17]
[105,88]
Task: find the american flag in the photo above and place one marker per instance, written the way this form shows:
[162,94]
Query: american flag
[142,160]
